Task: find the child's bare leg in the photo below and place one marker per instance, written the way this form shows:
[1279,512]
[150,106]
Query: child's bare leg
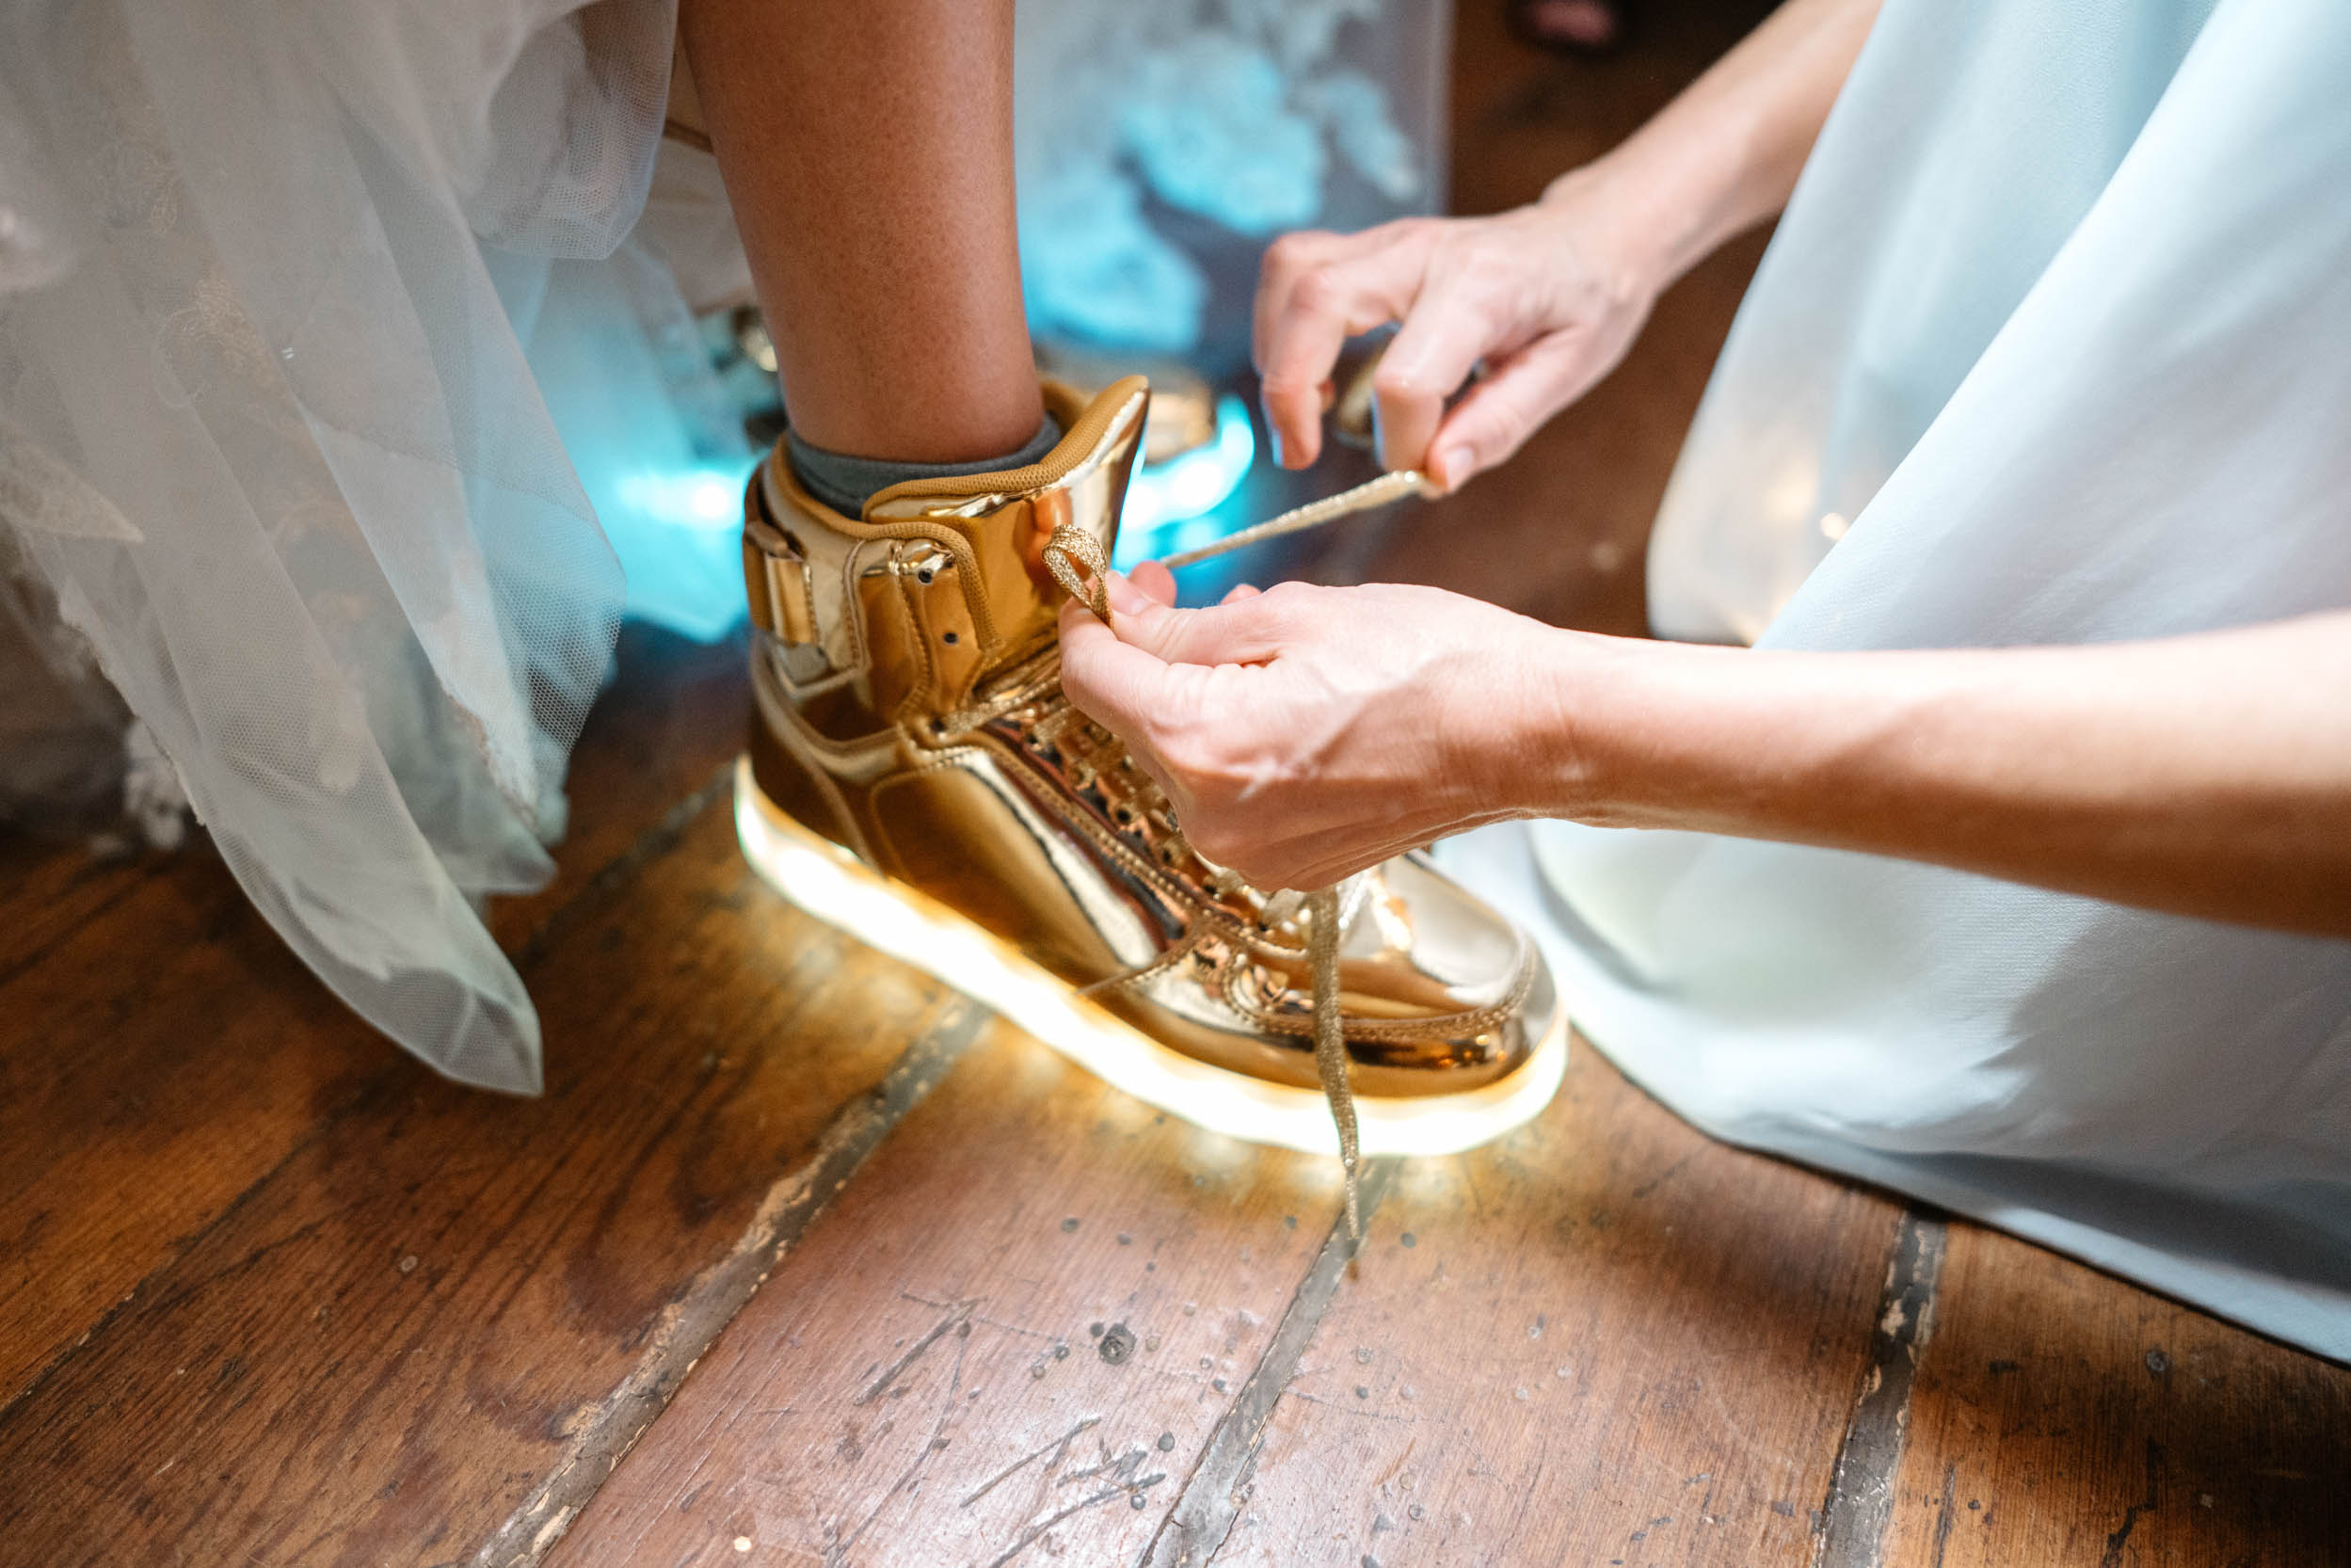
[867,147]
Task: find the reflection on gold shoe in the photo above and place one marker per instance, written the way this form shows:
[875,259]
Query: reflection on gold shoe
[916,776]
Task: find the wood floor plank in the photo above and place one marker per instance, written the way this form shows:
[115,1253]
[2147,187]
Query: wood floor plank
[2061,1416]
[150,1022]
[1604,1339]
[385,1347]
[1009,1342]
[153,1064]
[50,889]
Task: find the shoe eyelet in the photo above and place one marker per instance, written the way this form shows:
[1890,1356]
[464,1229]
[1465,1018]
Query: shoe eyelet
[949,637]
[924,576]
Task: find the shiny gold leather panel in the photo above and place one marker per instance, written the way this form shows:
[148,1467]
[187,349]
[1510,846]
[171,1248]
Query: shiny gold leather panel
[910,710]
[1004,528]
[952,829]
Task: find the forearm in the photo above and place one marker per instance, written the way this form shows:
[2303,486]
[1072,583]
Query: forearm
[1724,155]
[2208,775]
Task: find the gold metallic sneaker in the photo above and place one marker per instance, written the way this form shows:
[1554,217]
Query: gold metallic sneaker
[917,778]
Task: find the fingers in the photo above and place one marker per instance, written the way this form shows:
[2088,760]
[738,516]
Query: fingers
[1156,582]
[1318,857]
[1289,259]
[1158,585]
[1441,339]
[1518,394]
[1112,683]
[1314,293]
[1306,855]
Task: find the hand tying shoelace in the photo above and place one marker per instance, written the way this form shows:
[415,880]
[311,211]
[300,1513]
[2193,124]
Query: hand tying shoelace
[1079,563]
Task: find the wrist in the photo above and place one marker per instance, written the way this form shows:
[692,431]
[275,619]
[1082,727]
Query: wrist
[1617,229]
[1679,187]
[1534,724]
[1627,732]
[1581,757]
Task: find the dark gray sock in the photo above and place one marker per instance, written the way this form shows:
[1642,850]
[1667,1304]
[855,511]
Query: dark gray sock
[844,483]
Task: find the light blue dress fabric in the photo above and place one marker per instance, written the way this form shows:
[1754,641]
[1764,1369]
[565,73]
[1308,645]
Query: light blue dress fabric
[2053,345]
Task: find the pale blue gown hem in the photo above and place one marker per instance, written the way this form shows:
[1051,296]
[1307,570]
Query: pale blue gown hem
[2172,1243]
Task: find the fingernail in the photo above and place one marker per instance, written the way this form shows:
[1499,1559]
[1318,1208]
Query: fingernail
[1124,596]
[1450,465]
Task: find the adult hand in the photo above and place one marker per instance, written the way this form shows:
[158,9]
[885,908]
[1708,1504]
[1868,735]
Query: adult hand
[1546,297]
[1306,733]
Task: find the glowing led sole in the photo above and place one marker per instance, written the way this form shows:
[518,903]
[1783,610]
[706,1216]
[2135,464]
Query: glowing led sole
[832,885]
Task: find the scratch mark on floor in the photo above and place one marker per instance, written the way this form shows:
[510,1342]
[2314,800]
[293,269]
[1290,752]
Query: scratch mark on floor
[1396,1464]
[2120,1538]
[982,1319]
[837,1553]
[1211,1501]
[1059,1447]
[1028,1536]
[1354,1408]
[959,1314]
[1950,1501]
[1660,1179]
[1124,1468]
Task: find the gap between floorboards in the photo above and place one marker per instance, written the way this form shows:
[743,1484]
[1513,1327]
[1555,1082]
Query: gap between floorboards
[694,1323]
[1853,1517]
[647,847]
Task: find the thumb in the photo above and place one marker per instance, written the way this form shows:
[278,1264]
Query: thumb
[1115,685]
[1520,392]
[1237,632]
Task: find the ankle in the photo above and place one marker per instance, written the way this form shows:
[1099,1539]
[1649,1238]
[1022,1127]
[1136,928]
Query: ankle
[846,483]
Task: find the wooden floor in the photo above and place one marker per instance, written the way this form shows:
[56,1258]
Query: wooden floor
[802,1259]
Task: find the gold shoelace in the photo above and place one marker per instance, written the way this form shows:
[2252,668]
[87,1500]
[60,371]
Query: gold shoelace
[1072,547]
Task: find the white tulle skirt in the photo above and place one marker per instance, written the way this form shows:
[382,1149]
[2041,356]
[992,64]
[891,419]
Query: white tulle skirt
[271,448]
[2053,345]
[348,355]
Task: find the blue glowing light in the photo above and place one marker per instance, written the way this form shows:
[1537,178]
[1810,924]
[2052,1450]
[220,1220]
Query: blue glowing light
[1167,503]
[676,529]
[701,496]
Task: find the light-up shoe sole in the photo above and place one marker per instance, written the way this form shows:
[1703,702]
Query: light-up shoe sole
[835,886]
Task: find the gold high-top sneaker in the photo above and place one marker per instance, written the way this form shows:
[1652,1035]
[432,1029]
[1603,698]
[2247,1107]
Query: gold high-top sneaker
[917,778]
